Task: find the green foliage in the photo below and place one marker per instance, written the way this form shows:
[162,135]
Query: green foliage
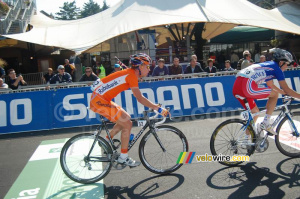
[69,11]
[4,7]
[3,63]
[89,9]
[92,8]
[105,6]
[267,4]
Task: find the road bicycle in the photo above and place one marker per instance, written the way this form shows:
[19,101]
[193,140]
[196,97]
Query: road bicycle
[229,138]
[88,158]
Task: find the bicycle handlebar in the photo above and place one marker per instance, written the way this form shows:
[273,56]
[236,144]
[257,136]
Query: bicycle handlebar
[155,116]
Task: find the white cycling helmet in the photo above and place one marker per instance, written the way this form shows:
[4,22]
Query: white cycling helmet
[281,55]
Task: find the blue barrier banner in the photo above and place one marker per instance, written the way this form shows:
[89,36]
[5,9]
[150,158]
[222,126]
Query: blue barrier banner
[62,108]
[21,112]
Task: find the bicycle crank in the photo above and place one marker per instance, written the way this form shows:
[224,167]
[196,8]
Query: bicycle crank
[262,145]
[115,163]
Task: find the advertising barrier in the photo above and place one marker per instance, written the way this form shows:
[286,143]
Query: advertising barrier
[41,110]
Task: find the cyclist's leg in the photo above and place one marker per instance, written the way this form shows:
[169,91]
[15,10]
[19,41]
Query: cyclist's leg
[126,124]
[271,104]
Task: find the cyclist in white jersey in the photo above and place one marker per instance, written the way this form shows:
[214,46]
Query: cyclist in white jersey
[249,84]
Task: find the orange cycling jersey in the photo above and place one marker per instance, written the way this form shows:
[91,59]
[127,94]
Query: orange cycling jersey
[110,86]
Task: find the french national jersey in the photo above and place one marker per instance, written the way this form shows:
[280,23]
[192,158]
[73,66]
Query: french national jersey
[262,72]
[113,84]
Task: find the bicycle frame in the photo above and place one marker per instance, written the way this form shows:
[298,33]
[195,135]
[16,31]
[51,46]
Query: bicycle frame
[284,112]
[149,123]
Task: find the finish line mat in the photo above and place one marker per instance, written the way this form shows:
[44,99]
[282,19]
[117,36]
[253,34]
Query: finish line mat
[43,177]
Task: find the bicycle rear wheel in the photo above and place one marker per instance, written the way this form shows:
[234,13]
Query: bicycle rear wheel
[229,139]
[286,140]
[80,167]
[152,155]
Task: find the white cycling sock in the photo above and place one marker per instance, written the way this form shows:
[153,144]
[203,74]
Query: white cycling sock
[124,155]
[267,119]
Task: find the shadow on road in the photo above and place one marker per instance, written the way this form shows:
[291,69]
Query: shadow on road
[249,177]
[149,188]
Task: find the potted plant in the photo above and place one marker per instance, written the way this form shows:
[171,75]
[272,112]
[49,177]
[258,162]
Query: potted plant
[4,8]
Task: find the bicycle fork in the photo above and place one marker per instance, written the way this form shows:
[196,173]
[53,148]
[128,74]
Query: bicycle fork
[157,139]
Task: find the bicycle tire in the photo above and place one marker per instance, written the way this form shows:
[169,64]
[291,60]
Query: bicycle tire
[284,133]
[76,149]
[236,124]
[174,145]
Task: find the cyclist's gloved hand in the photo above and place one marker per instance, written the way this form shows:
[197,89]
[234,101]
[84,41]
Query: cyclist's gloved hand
[164,112]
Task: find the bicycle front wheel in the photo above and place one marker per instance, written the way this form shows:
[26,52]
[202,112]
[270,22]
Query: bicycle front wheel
[159,150]
[86,159]
[229,138]
[286,140]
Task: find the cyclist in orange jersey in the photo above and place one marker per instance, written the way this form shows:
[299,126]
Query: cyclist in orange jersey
[107,88]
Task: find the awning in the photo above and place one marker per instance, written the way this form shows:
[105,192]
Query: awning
[244,34]
[130,15]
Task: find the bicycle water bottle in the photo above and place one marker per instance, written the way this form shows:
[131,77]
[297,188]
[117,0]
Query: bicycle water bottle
[131,137]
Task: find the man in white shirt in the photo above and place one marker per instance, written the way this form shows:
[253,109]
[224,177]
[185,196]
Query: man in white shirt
[2,84]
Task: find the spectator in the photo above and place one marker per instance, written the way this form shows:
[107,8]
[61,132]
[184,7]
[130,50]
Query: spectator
[228,66]
[268,56]
[161,69]
[234,59]
[2,84]
[101,71]
[256,57]
[2,71]
[262,59]
[14,82]
[153,65]
[88,76]
[247,57]
[61,76]
[210,68]
[117,68]
[70,68]
[221,60]
[251,62]
[48,75]
[175,69]
[196,58]
[193,67]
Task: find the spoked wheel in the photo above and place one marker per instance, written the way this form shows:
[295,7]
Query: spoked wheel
[286,139]
[229,138]
[162,160]
[84,168]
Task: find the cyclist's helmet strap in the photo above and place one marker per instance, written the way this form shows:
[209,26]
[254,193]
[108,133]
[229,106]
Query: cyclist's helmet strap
[281,55]
[138,59]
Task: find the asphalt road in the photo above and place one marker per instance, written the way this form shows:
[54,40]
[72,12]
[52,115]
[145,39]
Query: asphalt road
[267,175]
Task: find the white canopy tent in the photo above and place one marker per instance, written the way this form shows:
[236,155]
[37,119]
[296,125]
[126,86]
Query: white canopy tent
[130,15]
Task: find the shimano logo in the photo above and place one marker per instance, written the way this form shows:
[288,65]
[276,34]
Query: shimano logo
[107,86]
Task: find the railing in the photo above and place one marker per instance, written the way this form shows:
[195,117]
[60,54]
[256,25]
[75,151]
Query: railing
[15,7]
[37,78]
[12,15]
[26,16]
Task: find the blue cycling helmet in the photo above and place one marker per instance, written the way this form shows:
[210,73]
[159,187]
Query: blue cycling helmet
[138,59]
[281,55]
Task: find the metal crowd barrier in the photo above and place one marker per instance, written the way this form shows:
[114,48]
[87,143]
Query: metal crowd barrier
[43,87]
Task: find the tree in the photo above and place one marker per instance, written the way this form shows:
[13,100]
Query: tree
[69,11]
[89,9]
[267,4]
[105,6]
